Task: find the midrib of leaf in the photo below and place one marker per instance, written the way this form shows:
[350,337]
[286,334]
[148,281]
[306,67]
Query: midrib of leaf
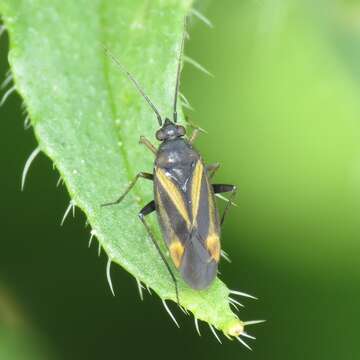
[81,134]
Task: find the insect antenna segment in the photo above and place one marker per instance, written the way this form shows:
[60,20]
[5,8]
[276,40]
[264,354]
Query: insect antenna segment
[135,82]
[178,72]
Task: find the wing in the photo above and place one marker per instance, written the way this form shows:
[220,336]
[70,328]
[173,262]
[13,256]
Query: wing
[204,213]
[202,251]
[190,224]
[173,214]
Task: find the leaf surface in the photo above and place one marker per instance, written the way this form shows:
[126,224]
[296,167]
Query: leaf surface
[87,118]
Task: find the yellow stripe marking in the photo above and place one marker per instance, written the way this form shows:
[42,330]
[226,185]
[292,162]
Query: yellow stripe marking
[213,239]
[174,194]
[196,189]
[213,245]
[176,248]
[176,252]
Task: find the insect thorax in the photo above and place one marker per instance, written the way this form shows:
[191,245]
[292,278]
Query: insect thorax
[175,152]
[177,157]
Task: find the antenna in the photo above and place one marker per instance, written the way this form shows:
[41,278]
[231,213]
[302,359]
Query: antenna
[134,81]
[177,84]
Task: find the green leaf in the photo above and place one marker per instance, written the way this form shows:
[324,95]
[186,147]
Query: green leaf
[87,118]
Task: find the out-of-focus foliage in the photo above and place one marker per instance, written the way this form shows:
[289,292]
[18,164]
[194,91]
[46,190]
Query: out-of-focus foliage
[18,340]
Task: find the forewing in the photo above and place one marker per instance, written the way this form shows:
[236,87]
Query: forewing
[205,217]
[190,224]
[173,214]
[202,249]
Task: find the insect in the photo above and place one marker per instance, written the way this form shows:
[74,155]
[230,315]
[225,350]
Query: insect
[183,196]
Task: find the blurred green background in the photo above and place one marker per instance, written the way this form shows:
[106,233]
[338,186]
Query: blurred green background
[283,117]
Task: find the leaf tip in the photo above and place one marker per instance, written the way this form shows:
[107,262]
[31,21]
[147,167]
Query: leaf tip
[234,327]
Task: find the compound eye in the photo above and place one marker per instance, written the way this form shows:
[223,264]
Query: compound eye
[160,135]
[181,130]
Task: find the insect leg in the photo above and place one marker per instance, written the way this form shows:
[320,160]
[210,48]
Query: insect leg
[143,140]
[149,208]
[196,132]
[143,175]
[221,188]
[194,135]
[212,168]
[194,126]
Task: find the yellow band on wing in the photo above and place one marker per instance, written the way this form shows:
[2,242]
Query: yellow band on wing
[173,193]
[213,238]
[176,248]
[176,252]
[196,189]
[213,245]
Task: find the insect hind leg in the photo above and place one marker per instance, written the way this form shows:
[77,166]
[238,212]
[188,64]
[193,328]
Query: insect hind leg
[143,175]
[221,188]
[146,210]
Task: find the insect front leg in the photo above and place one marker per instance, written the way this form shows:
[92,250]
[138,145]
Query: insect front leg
[143,175]
[221,188]
[212,168]
[194,136]
[143,140]
[146,210]
[196,132]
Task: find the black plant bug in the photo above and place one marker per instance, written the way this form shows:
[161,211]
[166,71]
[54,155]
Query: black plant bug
[183,196]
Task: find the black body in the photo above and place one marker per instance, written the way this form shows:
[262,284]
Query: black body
[178,160]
